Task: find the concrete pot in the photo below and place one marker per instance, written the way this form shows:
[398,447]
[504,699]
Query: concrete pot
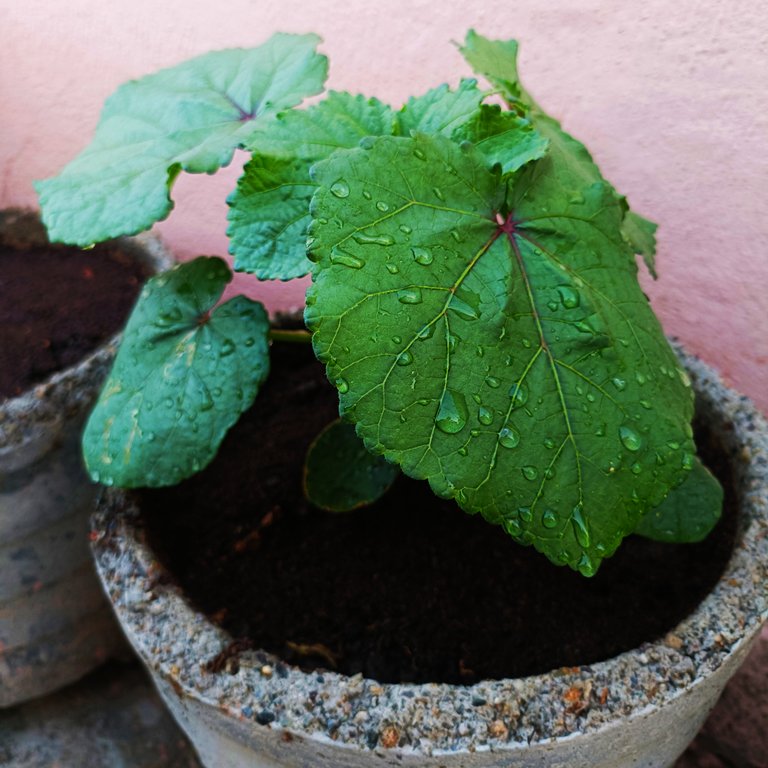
[639,709]
[54,624]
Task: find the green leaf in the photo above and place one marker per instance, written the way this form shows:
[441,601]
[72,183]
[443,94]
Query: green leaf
[183,375]
[190,117]
[269,210]
[491,337]
[269,216]
[440,110]
[503,137]
[640,233]
[690,511]
[497,61]
[341,475]
[337,122]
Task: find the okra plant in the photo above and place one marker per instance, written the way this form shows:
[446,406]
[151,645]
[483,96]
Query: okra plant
[474,298]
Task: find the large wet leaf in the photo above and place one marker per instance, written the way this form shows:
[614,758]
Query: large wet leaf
[492,338]
[190,117]
[183,375]
[269,210]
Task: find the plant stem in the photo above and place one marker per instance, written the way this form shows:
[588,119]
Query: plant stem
[290,337]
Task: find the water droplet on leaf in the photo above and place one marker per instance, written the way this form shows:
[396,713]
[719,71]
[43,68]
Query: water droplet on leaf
[340,189]
[629,438]
[410,296]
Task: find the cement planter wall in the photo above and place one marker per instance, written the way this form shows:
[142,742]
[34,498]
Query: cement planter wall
[639,709]
[54,623]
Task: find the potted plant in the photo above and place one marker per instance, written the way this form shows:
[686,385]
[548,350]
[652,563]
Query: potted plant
[58,343]
[476,305]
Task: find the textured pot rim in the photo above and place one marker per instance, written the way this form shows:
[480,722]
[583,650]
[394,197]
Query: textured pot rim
[176,641]
[72,388]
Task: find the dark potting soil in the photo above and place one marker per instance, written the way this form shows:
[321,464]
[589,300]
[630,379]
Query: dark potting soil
[411,589]
[57,304]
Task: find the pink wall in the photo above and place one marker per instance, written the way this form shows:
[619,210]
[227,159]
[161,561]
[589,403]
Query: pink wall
[670,95]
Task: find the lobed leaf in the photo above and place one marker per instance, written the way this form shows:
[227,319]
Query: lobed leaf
[497,61]
[341,475]
[182,376]
[440,110]
[269,210]
[190,117]
[490,336]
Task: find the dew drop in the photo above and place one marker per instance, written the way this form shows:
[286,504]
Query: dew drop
[580,529]
[452,413]
[340,189]
[586,566]
[427,332]
[600,431]
[397,339]
[525,514]
[512,527]
[385,240]
[455,235]
[584,326]
[170,316]
[576,199]
[366,194]
[405,229]
[549,519]
[422,256]
[509,437]
[530,473]
[410,296]
[438,193]
[640,378]
[419,155]
[629,438]
[393,269]
[569,297]
[636,468]
[549,443]
[492,382]
[687,461]
[463,451]
[342,385]
[519,395]
[619,383]
[553,305]
[345,259]
[485,416]
[382,206]
[646,404]
[405,358]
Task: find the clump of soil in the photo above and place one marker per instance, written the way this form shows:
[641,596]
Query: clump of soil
[57,304]
[410,589]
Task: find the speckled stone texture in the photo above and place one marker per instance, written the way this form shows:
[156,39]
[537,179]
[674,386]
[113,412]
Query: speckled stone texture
[111,719]
[54,624]
[640,709]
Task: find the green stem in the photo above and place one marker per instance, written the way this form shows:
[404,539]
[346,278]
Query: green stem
[290,337]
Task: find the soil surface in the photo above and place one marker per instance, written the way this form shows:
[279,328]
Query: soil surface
[411,589]
[57,304]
